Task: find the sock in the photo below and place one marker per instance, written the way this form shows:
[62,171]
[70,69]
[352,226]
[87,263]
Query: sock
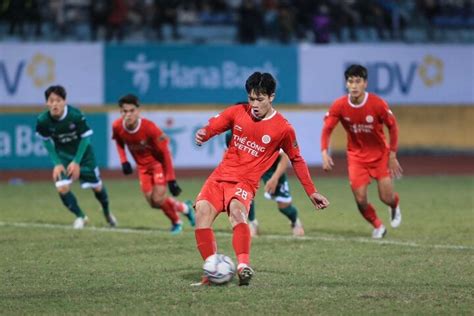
[251,216]
[205,242]
[241,241]
[395,201]
[70,201]
[177,205]
[291,212]
[168,207]
[103,198]
[371,216]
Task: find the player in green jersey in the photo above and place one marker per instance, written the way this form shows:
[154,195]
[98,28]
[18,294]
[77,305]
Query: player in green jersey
[66,136]
[277,189]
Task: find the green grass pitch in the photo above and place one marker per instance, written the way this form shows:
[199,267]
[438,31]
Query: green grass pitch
[425,267]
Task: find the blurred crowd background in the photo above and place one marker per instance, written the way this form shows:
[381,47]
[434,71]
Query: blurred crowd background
[238,21]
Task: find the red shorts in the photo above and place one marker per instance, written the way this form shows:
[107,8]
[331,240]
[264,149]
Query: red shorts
[151,176]
[361,173]
[220,193]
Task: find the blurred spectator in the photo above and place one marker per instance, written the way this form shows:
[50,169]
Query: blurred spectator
[286,23]
[166,14]
[249,22]
[99,11]
[116,20]
[322,25]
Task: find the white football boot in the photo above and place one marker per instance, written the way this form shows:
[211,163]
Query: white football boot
[379,233]
[245,273]
[80,222]
[395,216]
[297,228]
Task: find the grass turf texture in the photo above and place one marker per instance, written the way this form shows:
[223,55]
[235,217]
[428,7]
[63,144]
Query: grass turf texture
[423,267]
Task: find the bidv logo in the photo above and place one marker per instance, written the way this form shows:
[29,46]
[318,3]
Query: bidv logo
[386,77]
[173,74]
[40,69]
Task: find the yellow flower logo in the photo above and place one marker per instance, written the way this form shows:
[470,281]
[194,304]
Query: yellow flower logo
[41,70]
[431,71]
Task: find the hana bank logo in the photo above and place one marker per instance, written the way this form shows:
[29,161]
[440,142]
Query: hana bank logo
[41,69]
[140,69]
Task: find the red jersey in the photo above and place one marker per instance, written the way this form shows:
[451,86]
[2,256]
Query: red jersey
[363,123]
[147,143]
[255,145]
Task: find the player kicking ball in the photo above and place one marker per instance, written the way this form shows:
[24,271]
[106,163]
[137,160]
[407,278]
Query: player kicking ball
[149,148]
[363,116]
[259,132]
[66,137]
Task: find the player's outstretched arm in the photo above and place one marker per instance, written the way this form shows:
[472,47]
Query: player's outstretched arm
[319,200]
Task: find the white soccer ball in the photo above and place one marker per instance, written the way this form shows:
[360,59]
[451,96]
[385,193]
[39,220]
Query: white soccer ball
[219,269]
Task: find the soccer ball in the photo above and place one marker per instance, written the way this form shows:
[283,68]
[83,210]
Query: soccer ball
[219,269]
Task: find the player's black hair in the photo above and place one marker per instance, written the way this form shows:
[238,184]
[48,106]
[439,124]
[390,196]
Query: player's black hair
[356,71]
[57,89]
[261,83]
[129,99]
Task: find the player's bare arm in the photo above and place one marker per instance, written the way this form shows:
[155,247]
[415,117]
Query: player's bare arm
[394,166]
[319,200]
[57,171]
[328,163]
[73,170]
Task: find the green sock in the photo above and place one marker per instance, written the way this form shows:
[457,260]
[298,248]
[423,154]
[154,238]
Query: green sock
[103,198]
[291,212]
[69,200]
[252,211]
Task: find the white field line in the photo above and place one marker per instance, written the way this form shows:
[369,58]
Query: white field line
[328,238]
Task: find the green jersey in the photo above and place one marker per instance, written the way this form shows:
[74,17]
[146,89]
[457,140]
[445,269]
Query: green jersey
[66,134]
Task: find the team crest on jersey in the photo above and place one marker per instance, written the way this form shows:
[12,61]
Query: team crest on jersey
[347,118]
[72,126]
[369,119]
[266,139]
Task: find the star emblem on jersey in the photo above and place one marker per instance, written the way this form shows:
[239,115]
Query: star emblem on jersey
[369,119]
[266,139]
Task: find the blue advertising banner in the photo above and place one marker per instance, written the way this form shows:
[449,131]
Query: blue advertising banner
[196,74]
[21,148]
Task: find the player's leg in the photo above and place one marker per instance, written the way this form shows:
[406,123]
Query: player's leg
[368,211]
[359,178]
[90,178]
[159,199]
[206,244]
[253,222]
[69,200]
[238,199]
[388,196]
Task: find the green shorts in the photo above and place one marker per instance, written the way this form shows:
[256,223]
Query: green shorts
[282,192]
[89,177]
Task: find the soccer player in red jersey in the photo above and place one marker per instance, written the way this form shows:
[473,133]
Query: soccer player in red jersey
[363,116]
[149,147]
[258,133]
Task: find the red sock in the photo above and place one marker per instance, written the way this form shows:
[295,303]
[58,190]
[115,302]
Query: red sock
[395,201]
[205,242]
[241,241]
[371,216]
[177,205]
[168,208]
